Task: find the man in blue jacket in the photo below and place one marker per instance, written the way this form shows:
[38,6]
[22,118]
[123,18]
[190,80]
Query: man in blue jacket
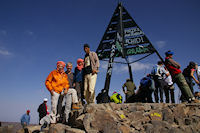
[25,119]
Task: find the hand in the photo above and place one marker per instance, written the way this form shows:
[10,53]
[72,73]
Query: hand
[94,71]
[52,91]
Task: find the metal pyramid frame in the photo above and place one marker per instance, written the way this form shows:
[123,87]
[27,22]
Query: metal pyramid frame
[123,38]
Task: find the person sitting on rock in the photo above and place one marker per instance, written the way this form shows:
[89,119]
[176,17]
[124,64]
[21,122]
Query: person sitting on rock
[67,98]
[144,93]
[42,109]
[116,98]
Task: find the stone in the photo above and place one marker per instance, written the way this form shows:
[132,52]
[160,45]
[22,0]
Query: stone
[133,118]
[124,129]
[168,115]
[6,129]
[73,130]
[33,128]
[57,128]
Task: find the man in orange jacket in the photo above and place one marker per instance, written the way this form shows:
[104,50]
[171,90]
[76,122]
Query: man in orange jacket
[57,82]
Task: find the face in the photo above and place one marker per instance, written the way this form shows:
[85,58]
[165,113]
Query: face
[170,56]
[60,67]
[69,67]
[87,50]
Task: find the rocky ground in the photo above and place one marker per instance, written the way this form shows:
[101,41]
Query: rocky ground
[131,118]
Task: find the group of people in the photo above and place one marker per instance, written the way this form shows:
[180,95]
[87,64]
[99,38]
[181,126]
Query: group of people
[161,80]
[69,90]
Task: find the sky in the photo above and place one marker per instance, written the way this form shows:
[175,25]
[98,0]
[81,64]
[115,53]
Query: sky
[35,34]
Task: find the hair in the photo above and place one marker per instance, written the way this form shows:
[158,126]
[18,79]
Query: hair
[69,63]
[192,64]
[160,63]
[86,46]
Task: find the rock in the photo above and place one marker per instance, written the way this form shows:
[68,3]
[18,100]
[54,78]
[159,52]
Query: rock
[73,130]
[6,129]
[57,128]
[168,115]
[33,128]
[133,118]
[100,121]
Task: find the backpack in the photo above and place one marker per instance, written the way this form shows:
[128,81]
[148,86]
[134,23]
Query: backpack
[156,71]
[119,97]
[103,97]
[145,82]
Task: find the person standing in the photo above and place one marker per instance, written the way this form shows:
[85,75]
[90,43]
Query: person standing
[130,89]
[170,88]
[78,79]
[25,119]
[178,78]
[42,109]
[56,82]
[91,68]
[188,73]
[159,73]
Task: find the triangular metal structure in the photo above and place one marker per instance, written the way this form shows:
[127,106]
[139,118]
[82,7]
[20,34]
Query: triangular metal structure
[123,38]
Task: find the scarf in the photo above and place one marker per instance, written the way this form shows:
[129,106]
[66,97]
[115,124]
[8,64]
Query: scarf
[80,67]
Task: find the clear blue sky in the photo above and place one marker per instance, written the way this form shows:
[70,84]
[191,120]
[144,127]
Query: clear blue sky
[35,34]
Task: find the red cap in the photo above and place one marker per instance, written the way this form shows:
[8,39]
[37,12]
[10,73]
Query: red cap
[28,111]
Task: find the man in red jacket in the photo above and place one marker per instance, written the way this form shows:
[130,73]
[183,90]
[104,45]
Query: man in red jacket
[177,76]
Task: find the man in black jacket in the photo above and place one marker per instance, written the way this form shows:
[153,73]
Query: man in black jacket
[42,109]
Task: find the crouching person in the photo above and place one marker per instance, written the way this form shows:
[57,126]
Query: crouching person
[146,88]
[116,98]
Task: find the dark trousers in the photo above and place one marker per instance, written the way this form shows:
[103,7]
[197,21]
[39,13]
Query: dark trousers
[143,95]
[79,88]
[161,86]
[170,90]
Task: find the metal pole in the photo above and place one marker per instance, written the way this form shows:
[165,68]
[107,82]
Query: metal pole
[122,35]
[109,70]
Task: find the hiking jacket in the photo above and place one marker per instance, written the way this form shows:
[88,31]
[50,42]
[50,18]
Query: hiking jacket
[94,60]
[78,75]
[42,110]
[25,118]
[57,82]
[130,86]
[172,66]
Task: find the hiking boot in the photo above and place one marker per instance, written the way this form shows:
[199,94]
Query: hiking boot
[75,107]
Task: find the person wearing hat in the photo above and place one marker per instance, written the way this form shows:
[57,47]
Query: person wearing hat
[91,68]
[57,82]
[130,89]
[25,119]
[188,73]
[178,78]
[78,79]
[42,109]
